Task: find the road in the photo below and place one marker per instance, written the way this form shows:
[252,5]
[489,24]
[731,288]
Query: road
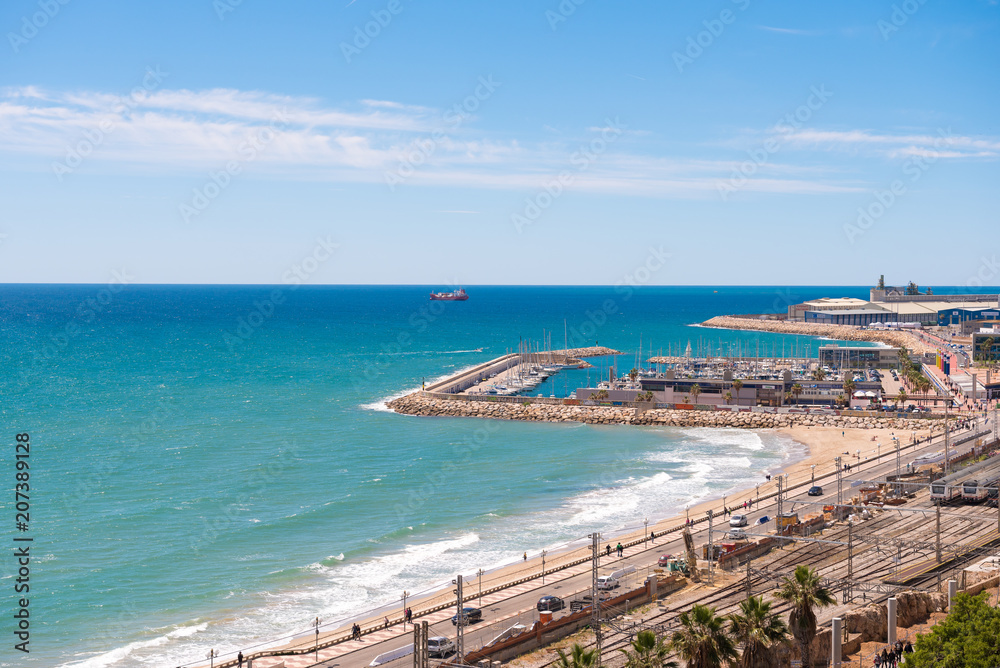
[517,604]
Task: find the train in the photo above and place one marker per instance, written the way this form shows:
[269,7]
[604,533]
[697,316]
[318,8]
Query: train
[974,484]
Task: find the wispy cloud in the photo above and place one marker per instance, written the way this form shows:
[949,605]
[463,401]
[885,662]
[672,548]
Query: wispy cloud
[944,144]
[791,31]
[184,131]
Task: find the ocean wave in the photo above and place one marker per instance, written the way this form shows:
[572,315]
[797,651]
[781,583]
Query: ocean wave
[121,653]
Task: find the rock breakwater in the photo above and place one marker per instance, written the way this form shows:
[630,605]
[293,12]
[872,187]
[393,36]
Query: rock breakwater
[416,404]
[894,338]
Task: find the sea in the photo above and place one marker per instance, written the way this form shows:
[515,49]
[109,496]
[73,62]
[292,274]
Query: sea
[213,467]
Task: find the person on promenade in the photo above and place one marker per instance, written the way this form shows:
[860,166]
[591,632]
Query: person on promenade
[239,658]
[621,550]
[652,536]
[525,556]
[409,615]
[386,622]
[877,661]
[607,552]
[356,632]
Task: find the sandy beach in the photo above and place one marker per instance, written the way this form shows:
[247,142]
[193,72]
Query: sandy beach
[821,446]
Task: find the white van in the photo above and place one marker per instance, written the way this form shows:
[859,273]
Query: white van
[607,582]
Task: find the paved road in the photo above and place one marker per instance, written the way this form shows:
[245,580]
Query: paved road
[517,604]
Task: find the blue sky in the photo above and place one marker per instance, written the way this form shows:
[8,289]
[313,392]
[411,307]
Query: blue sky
[581,142]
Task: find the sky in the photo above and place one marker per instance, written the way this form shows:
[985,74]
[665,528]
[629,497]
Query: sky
[463,143]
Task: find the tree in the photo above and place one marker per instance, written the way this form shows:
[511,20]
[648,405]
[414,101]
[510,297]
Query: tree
[804,592]
[728,398]
[966,638]
[788,397]
[985,353]
[757,629]
[633,374]
[578,658]
[737,385]
[841,400]
[819,374]
[648,651]
[695,391]
[849,384]
[600,395]
[902,396]
[702,640]
[796,390]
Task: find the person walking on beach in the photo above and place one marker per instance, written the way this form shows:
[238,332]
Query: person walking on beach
[525,556]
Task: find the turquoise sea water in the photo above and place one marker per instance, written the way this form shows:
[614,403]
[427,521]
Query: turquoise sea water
[206,477]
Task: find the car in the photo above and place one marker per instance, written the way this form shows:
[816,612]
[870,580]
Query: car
[550,604]
[763,519]
[440,647]
[586,600]
[815,490]
[738,521]
[664,559]
[469,616]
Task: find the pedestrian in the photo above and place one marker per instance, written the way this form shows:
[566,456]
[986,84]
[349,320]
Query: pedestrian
[652,536]
[877,661]
[885,657]
[386,621]
[408,615]
[239,658]
[525,556]
[608,550]
[842,434]
[909,648]
[621,550]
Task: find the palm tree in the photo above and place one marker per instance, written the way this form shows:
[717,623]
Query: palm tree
[600,395]
[804,592]
[985,353]
[788,397]
[757,629]
[923,386]
[633,374]
[648,651]
[849,385]
[695,391]
[578,658]
[819,374]
[738,385]
[841,400]
[729,398]
[796,390]
[702,641]
[902,396]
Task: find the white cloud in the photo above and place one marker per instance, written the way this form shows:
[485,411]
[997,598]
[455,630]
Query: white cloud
[183,131]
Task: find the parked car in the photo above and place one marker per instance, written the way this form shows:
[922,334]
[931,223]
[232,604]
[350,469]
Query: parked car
[586,600]
[738,521]
[815,490]
[550,604]
[664,559]
[763,519]
[469,616]
[440,647]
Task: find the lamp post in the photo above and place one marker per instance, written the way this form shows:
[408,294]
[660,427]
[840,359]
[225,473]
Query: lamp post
[813,480]
[645,524]
[758,494]
[543,565]
[687,512]
[316,624]
[480,574]
[211,657]
[405,594]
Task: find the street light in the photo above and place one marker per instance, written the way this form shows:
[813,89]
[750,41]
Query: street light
[316,624]
[543,565]
[405,594]
[480,574]
[211,657]
[645,524]
[813,467]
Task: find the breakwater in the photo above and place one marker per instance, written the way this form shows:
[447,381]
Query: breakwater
[560,410]
[890,337]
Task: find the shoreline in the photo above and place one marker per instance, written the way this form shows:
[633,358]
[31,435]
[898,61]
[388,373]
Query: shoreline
[819,445]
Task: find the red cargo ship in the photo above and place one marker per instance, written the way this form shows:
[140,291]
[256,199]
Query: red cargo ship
[456,296]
